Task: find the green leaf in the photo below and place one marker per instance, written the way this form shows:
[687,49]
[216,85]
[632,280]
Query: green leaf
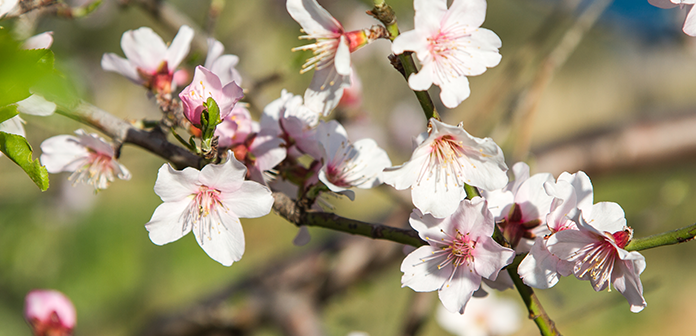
[7,112]
[18,150]
[210,118]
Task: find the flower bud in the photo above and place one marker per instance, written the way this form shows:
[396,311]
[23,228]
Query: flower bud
[49,313]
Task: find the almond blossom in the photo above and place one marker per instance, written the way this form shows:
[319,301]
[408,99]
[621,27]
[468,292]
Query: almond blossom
[441,165]
[572,193]
[293,121]
[89,157]
[484,316]
[222,65]
[690,22]
[332,49]
[206,85]
[208,202]
[450,45]
[149,62]
[460,253]
[348,165]
[597,253]
[520,208]
[49,313]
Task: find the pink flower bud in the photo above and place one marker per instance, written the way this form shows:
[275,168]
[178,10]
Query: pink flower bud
[49,313]
[206,85]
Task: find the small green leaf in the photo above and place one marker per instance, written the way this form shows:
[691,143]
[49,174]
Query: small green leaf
[18,150]
[7,112]
[210,118]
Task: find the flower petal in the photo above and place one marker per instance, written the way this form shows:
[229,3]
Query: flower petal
[251,200]
[342,57]
[166,224]
[62,153]
[36,105]
[144,48]
[226,241]
[456,293]
[118,64]
[226,177]
[313,18]
[490,258]
[423,276]
[453,91]
[179,48]
[325,90]
[175,185]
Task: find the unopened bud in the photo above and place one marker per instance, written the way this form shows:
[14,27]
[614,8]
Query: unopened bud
[49,313]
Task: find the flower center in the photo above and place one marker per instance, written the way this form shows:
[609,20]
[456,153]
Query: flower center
[203,213]
[445,49]
[96,170]
[597,263]
[443,162]
[514,227]
[160,81]
[324,50]
[456,250]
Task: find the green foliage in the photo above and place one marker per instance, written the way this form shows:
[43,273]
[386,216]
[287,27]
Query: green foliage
[210,118]
[7,112]
[18,150]
[21,69]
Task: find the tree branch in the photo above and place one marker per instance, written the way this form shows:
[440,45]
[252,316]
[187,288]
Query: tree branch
[677,236]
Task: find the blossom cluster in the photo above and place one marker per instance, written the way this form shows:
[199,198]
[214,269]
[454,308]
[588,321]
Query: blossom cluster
[472,218]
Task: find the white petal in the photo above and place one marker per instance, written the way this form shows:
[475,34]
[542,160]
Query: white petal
[342,57]
[605,217]
[429,15]
[422,80]
[39,41]
[251,200]
[666,4]
[436,197]
[404,176]
[423,276]
[313,18]
[453,91]
[215,50]
[62,153]
[490,258]
[115,63]
[456,293]
[690,23]
[14,125]
[166,224]
[226,177]
[470,13]
[179,48]
[538,268]
[626,280]
[226,242]
[325,90]
[411,41]
[175,185]
[6,6]
[144,48]
[36,105]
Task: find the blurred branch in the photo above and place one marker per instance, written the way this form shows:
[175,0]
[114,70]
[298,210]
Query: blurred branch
[528,107]
[216,7]
[419,310]
[632,144]
[677,236]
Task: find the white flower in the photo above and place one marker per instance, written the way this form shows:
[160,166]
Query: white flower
[222,65]
[88,156]
[690,22]
[597,254]
[348,165]
[208,202]
[443,163]
[149,61]
[460,252]
[521,207]
[485,316]
[450,46]
[290,119]
[332,50]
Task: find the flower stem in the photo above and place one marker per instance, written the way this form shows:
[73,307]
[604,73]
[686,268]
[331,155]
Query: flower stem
[385,14]
[536,311]
[661,239]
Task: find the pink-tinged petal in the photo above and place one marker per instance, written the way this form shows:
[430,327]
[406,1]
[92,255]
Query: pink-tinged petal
[665,4]
[62,153]
[454,91]
[231,94]
[690,22]
[565,244]
[490,258]
[166,225]
[313,18]
[144,48]
[538,268]
[501,283]
[584,198]
[410,41]
[215,50]
[422,80]
[471,216]
[251,200]
[225,244]
[467,13]
[426,225]
[179,48]
[422,276]
[268,151]
[175,185]
[226,177]
[626,280]
[39,41]
[342,57]
[532,198]
[94,143]
[49,312]
[456,293]
[429,15]
[325,90]
[120,65]
[224,67]
[36,105]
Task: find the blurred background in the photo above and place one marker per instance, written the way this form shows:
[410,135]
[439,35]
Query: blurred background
[600,86]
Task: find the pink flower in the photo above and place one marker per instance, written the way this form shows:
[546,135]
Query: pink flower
[49,313]
[208,202]
[149,61]
[450,46]
[597,252]
[206,84]
[89,157]
[443,163]
[460,253]
[332,50]
[348,165]
[236,127]
[690,22]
